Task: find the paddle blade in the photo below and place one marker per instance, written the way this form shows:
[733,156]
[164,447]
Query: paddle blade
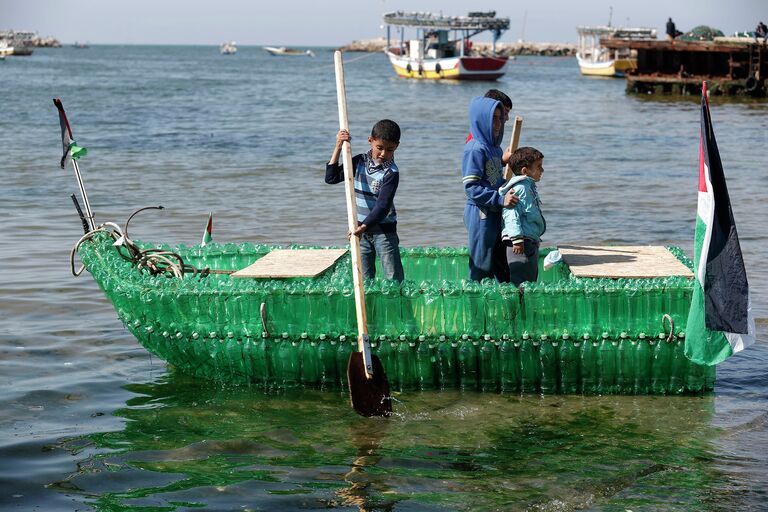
[370,397]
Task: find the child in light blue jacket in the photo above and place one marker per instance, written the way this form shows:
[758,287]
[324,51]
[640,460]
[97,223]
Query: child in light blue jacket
[523,225]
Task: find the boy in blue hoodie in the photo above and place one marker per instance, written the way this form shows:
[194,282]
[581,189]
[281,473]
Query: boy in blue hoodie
[482,170]
[524,224]
[376,178]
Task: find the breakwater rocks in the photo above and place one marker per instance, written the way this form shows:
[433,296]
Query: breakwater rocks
[506,49]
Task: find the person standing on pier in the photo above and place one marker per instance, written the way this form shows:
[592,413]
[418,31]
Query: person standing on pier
[761,31]
[671,30]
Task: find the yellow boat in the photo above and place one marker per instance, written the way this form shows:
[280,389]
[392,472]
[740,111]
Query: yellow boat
[597,60]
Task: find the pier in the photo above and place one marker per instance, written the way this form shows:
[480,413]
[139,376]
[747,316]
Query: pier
[731,66]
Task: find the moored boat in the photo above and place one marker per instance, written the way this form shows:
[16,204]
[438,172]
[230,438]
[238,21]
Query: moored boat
[229,48]
[289,52]
[442,48]
[597,60]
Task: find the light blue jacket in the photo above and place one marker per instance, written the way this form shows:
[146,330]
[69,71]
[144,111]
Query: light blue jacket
[525,220]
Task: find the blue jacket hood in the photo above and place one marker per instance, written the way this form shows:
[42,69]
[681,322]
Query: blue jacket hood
[481,121]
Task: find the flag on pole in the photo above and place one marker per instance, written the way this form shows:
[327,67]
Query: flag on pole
[208,233]
[71,151]
[720,321]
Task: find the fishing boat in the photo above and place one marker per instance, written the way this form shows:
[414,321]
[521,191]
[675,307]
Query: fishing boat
[229,48]
[597,60]
[289,52]
[442,48]
[5,50]
[21,43]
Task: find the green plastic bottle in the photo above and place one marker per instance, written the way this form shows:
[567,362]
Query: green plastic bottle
[607,360]
[447,364]
[453,312]
[467,364]
[289,365]
[510,365]
[489,365]
[425,363]
[474,316]
[529,364]
[589,369]
[548,364]
[326,352]
[344,349]
[695,380]
[643,358]
[679,366]
[260,360]
[625,378]
[662,364]
[406,364]
[310,362]
[569,357]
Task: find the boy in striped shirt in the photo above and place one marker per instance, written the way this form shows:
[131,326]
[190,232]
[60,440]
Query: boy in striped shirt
[376,178]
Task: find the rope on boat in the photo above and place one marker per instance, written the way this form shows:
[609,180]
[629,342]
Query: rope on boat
[152,260]
[667,317]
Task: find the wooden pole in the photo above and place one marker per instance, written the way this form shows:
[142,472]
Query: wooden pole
[513,143]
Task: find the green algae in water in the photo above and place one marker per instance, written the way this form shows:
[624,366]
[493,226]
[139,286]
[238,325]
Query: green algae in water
[186,446]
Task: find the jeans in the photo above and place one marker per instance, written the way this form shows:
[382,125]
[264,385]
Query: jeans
[524,267]
[387,246]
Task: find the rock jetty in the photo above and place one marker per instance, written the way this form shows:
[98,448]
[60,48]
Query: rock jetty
[507,49]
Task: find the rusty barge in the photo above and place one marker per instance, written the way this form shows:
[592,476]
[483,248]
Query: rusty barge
[731,66]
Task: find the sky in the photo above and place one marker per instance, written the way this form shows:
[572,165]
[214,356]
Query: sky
[337,22]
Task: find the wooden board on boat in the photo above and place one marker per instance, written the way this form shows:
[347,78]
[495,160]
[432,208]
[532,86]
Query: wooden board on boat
[285,263]
[622,261]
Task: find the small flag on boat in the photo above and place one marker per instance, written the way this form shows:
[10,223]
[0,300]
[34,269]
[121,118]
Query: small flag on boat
[70,148]
[208,233]
[720,321]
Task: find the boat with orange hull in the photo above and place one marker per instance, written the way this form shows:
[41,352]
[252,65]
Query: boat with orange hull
[442,48]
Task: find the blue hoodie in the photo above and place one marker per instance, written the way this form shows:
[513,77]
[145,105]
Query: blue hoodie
[481,169]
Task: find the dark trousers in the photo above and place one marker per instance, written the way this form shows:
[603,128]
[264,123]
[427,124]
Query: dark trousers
[524,267]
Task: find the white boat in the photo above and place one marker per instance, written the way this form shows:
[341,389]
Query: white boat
[20,43]
[293,52]
[229,48]
[442,48]
[5,50]
[597,60]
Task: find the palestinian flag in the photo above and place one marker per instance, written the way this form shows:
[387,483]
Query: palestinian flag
[70,149]
[208,233]
[720,321]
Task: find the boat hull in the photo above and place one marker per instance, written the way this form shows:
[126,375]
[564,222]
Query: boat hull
[443,332]
[451,68]
[608,68]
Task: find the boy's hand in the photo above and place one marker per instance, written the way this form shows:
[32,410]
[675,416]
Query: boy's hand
[358,231]
[510,200]
[343,136]
[506,156]
[518,247]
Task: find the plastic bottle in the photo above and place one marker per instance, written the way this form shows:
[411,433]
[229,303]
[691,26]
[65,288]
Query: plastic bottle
[529,364]
[643,358]
[343,351]
[474,315]
[569,365]
[679,366]
[662,364]
[589,369]
[695,381]
[607,360]
[289,366]
[510,365]
[625,378]
[425,363]
[447,365]
[548,364]
[489,365]
[326,352]
[454,319]
[406,364]
[310,361]
[467,364]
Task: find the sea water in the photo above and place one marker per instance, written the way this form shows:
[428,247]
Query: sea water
[90,420]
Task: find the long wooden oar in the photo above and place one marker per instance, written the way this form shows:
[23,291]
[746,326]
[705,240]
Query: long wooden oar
[513,143]
[368,386]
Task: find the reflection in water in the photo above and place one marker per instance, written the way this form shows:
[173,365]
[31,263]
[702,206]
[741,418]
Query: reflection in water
[184,444]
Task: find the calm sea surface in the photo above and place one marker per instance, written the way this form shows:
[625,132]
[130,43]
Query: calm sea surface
[90,421]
